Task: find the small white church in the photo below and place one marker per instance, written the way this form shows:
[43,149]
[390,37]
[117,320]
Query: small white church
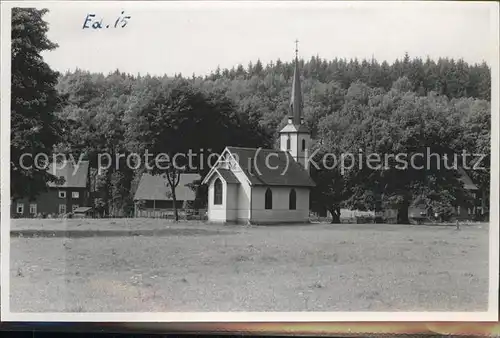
[264,186]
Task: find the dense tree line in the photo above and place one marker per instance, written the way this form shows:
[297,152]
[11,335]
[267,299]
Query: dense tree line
[261,91]
[120,114]
[400,121]
[349,105]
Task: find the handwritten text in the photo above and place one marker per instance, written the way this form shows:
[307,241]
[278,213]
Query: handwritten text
[91,22]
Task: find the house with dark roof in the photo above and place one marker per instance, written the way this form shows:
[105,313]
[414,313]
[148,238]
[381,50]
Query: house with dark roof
[264,186]
[153,197]
[62,197]
[469,209]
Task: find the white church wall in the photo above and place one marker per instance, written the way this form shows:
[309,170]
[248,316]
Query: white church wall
[293,143]
[280,211]
[244,192]
[231,201]
[242,196]
[216,213]
[303,154]
[296,146]
[283,140]
[235,205]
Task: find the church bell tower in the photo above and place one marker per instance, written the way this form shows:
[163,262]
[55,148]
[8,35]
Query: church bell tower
[295,136]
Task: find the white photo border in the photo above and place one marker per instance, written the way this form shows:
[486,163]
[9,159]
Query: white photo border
[6,315]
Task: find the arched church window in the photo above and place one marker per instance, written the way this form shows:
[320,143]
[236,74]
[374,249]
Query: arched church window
[268,199]
[292,200]
[218,192]
[303,144]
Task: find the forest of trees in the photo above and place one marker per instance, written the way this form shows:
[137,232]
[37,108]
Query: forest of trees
[349,105]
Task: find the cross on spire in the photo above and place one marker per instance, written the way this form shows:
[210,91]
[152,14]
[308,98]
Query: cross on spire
[296,97]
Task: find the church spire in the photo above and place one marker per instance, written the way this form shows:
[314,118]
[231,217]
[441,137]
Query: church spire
[296,97]
[295,137]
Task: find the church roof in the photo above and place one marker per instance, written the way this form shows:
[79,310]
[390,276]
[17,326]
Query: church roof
[281,169]
[292,128]
[296,102]
[227,175]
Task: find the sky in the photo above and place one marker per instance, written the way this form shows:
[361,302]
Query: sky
[174,37]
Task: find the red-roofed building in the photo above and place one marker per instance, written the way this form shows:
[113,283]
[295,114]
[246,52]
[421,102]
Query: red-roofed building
[60,198]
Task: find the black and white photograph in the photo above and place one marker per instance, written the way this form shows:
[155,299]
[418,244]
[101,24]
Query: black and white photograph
[249,161]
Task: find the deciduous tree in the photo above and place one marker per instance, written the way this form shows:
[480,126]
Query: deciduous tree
[35,129]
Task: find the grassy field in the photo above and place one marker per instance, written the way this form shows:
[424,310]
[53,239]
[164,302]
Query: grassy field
[150,265]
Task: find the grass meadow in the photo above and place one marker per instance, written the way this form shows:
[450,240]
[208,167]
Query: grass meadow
[137,265]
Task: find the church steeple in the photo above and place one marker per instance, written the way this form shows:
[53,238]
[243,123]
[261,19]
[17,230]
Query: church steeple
[296,103]
[295,137]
